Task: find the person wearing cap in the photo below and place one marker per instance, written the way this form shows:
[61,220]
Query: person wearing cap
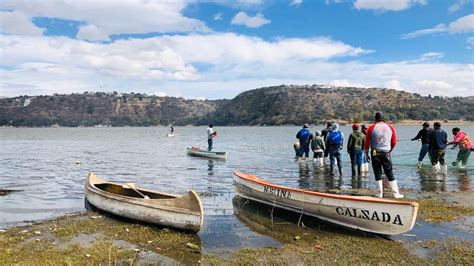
[381,140]
[304,136]
[334,143]
[424,134]
[461,140]
[438,145]
[355,144]
[318,146]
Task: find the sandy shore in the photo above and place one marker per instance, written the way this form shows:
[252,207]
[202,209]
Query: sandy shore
[92,238]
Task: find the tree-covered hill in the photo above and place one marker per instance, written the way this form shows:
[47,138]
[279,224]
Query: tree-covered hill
[276,105]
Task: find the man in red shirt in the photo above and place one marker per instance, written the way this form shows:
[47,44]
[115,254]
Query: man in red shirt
[381,139]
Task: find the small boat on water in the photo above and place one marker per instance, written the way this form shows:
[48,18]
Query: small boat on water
[171,135]
[181,212]
[195,151]
[376,215]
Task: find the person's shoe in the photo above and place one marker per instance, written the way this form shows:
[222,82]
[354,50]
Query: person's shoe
[380,189]
[396,193]
[419,164]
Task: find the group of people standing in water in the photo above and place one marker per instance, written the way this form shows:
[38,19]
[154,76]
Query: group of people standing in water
[375,144]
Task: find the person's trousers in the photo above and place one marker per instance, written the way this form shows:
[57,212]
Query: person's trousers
[382,160]
[209,144]
[356,160]
[423,151]
[335,155]
[438,156]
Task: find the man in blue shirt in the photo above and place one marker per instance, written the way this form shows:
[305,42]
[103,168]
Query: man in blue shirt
[305,137]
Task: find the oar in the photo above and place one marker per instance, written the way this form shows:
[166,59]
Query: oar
[132,186]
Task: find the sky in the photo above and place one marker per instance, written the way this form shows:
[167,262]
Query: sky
[218,49]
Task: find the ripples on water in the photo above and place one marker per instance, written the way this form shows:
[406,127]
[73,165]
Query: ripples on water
[51,164]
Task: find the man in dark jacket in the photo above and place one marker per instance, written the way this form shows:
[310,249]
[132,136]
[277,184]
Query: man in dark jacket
[424,134]
[438,144]
[355,144]
[305,137]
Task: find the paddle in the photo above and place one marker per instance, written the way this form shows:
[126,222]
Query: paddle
[132,186]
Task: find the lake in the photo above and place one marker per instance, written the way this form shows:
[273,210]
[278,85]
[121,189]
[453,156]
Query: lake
[49,166]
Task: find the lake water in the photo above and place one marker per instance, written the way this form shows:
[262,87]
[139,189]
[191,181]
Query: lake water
[49,166]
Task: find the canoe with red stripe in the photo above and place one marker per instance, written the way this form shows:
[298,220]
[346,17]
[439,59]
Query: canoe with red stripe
[376,215]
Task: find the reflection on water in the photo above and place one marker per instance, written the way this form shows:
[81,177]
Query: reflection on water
[49,166]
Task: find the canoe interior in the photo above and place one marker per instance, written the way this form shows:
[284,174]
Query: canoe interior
[210,152]
[119,190]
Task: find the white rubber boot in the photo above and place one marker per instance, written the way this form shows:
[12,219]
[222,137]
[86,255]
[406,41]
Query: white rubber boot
[366,167]
[314,160]
[380,189]
[419,164]
[321,162]
[434,168]
[444,169]
[396,193]
[438,167]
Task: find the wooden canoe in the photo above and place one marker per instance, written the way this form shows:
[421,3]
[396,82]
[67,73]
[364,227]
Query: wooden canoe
[382,216]
[207,154]
[181,212]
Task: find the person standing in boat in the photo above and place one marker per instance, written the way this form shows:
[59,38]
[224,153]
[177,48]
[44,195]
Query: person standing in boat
[355,144]
[318,147]
[438,144]
[424,134]
[461,140]
[334,143]
[210,135]
[305,137]
[381,139]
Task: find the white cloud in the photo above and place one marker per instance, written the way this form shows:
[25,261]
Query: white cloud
[432,56]
[393,84]
[218,16]
[345,83]
[458,6]
[296,2]
[461,25]
[16,22]
[242,18]
[470,43]
[104,18]
[387,5]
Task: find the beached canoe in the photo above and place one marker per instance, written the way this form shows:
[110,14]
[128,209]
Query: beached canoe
[207,154]
[382,216]
[181,212]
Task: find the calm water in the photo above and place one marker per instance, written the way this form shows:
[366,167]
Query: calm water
[50,165]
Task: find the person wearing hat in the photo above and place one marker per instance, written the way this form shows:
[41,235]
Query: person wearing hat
[355,144]
[381,140]
[334,143]
[424,134]
[304,136]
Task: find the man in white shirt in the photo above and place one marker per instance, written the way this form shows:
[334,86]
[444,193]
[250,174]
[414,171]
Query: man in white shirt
[210,134]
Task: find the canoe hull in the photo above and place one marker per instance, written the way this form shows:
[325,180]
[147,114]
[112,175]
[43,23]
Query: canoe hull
[369,214]
[168,212]
[207,154]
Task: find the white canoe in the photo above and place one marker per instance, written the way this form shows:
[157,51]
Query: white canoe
[207,154]
[162,209]
[382,216]
[170,135]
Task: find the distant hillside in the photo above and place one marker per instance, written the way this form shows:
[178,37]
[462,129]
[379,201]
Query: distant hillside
[301,104]
[277,105]
[98,108]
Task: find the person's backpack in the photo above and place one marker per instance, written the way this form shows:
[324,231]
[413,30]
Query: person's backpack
[335,138]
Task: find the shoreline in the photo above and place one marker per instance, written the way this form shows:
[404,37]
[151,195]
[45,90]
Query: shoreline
[91,238]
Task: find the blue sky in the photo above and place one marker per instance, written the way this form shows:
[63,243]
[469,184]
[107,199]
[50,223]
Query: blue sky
[217,49]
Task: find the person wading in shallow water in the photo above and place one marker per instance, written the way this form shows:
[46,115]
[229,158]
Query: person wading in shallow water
[305,137]
[381,139]
[424,134]
[462,140]
[438,144]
